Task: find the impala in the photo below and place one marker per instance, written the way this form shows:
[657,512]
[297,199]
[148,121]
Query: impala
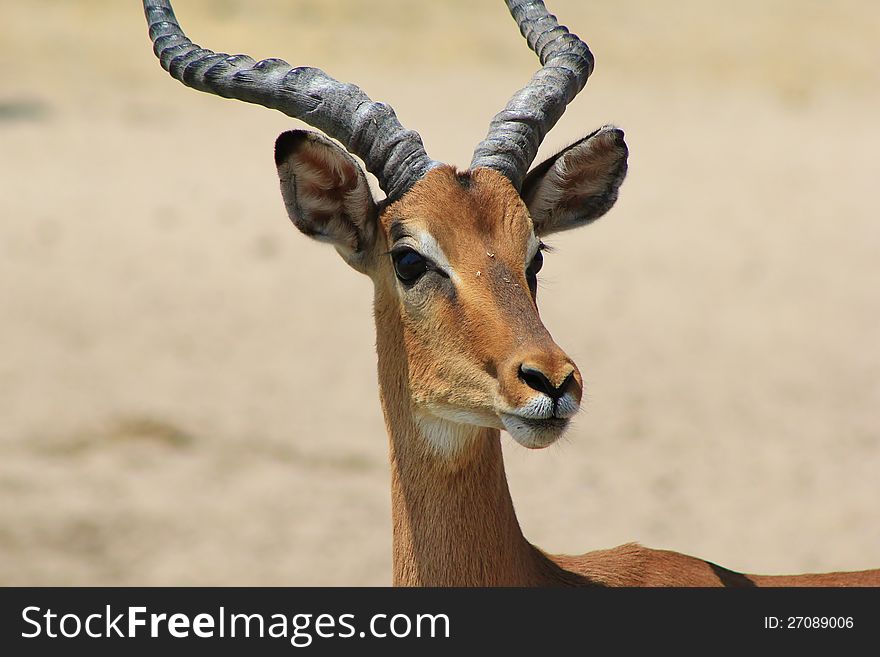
[454,256]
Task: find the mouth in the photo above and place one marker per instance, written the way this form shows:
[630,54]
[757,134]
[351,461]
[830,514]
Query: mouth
[532,432]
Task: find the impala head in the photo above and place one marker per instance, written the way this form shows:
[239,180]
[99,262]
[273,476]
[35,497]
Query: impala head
[454,255]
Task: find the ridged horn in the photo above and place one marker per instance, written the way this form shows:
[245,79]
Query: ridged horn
[518,130]
[370,130]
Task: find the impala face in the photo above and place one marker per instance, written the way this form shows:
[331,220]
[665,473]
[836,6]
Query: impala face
[455,263]
[461,260]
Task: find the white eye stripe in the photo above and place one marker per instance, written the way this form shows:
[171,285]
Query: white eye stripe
[425,244]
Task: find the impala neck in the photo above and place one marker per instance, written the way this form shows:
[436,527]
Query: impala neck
[455,526]
[453,519]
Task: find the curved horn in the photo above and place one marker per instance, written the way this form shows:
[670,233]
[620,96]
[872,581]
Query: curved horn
[370,130]
[517,131]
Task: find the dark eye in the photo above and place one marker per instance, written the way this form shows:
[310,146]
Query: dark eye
[533,269]
[409,265]
[537,262]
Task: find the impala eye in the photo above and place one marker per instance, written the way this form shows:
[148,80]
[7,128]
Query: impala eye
[533,269]
[537,262]
[408,265]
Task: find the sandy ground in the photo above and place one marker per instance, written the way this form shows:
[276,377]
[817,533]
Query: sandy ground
[187,385]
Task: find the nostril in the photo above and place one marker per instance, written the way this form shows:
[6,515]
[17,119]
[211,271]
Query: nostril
[537,380]
[566,384]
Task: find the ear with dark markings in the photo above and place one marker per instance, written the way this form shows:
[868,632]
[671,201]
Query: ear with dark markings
[326,193]
[577,185]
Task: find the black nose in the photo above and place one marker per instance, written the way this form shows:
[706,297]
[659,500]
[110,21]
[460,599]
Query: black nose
[537,380]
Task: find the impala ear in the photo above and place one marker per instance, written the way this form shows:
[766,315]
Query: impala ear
[577,185]
[326,193]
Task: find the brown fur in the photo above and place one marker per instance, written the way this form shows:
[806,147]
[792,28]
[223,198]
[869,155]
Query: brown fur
[458,349]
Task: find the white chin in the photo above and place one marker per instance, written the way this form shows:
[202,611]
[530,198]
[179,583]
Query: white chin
[534,434]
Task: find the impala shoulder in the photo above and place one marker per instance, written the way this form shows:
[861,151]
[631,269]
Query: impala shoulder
[633,564]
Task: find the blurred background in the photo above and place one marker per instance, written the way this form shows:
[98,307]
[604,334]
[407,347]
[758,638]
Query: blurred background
[168,339]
